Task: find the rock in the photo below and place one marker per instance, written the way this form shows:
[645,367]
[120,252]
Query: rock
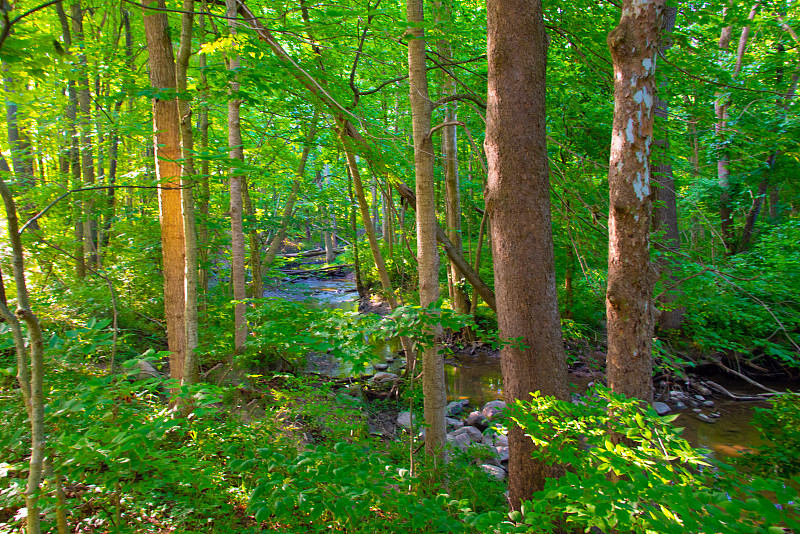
[381,378]
[454,408]
[696,410]
[699,398]
[502,453]
[706,419]
[478,420]
[708,404]
[404,420]
[474,434]
[380,366]
[661,408]
[497,473]
[460,441]
[715,415]
[454,424]
[389,359]
[495,440]
[679,405]
[146,370]
[485,454]
[677,394]
[493,408]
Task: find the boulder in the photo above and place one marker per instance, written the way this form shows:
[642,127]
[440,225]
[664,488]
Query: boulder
[486,454]
[384,378]
[460,441]
[497,473]
[502,453]
[661,408]
[474,434]
[380,366]
[146,370]
[404,420]
[493,408]
[453,424]
[478,420]
[495,440]
[454,408]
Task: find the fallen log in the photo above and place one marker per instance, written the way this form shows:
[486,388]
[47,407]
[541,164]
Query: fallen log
[309,253]
[455,256]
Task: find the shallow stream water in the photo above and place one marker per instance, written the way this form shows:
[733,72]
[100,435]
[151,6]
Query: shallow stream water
[479,378]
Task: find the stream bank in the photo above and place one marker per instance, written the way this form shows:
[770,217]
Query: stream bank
[473,376]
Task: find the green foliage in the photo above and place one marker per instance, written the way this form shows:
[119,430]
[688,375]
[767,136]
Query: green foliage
[779,425]
[343,488]
[629,470]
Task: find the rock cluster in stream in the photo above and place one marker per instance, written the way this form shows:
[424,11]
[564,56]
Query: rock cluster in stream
[699,402]
[466,434]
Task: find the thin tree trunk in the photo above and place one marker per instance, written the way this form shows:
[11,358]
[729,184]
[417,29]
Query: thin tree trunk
[31,384]
[188,181]
[518,203]
[288,208]
[631,276]
[204,193]
[257,285]
[356,260]
[87,149]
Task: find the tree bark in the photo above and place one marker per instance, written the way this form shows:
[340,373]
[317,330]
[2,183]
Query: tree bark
[188,181]
[631,276]
[433,382]
[518,203]
[237,227]
[166,140]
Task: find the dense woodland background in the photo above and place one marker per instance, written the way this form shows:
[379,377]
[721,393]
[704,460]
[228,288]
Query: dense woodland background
[285,127]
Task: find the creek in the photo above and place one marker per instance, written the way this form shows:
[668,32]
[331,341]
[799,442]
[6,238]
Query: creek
[478,378]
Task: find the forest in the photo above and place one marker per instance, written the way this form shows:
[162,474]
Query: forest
[379,266]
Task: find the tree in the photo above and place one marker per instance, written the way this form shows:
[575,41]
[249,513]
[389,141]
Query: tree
[631,275]
[166,139]
[236,154]
[518,202]
[433,385]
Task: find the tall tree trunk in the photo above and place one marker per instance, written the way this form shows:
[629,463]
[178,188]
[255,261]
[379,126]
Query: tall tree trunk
[236,184]
[166,140]
[433,382]
[665,211]
[518,203]
[74,153]
[631,276]
[204,193]
[188,181]
[356,259]
[87,148]
[450,163]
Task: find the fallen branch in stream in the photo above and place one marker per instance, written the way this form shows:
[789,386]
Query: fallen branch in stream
[745,377]
[719,389]
[309,253]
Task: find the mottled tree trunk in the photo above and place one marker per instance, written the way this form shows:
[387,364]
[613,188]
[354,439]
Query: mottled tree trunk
[631,276]
[518,203]
[166,139]
[433,383]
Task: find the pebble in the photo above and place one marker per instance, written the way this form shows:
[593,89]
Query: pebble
[706,419]
[680,405]
[696,410]
[708,404]
[699,398]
